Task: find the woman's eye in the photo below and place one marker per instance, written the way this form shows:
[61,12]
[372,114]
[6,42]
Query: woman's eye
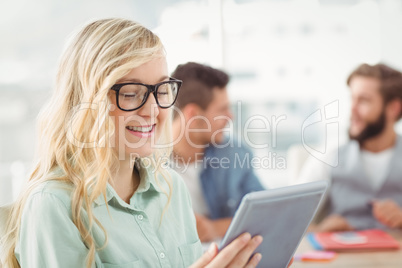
[129,96]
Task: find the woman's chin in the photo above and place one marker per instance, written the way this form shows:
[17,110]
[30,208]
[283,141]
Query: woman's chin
[143,152]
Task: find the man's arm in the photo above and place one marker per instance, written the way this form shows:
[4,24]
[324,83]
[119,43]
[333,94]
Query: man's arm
[249,180]
[388,213]
[332,223]
[209,230]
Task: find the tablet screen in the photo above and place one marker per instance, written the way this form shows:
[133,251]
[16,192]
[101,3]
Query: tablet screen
[281,216]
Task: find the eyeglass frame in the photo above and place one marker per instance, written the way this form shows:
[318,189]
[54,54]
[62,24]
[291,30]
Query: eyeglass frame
[151,89]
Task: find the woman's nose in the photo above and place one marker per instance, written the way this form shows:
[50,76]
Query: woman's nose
[150,107]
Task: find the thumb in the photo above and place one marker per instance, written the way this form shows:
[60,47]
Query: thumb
[207,257]
[377,201]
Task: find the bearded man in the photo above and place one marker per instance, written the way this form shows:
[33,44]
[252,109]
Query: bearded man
[366,185]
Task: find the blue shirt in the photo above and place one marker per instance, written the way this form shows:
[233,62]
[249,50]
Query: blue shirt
[227,176]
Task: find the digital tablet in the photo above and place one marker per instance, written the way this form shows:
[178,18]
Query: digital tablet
[281,216]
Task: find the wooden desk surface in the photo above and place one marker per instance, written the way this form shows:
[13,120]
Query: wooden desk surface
[380,259]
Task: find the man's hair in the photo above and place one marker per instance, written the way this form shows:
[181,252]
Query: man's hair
[390,80]
[198,83]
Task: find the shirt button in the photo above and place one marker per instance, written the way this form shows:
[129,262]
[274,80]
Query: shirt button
[140,217]
[162,255]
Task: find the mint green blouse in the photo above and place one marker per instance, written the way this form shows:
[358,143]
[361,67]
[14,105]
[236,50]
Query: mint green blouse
[136,235]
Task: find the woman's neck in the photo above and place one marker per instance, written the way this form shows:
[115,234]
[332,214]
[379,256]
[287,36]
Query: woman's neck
[126,181]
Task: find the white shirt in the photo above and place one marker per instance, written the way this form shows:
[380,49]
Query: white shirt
[191,173]
[375,165]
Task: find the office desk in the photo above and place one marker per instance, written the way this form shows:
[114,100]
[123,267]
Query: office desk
[379,259]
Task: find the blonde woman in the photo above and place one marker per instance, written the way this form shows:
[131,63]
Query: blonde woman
[100,194]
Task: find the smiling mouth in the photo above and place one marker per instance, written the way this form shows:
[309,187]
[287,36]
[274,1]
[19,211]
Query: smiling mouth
[142,129]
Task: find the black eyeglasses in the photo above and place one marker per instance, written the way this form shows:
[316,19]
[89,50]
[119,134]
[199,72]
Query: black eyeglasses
[132,96]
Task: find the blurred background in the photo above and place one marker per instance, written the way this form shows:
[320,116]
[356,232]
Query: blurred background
[288,61]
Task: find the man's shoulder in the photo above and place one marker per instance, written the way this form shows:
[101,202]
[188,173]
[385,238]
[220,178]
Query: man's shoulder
[229,149]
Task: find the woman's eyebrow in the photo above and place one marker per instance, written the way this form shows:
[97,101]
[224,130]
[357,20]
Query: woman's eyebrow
[135,80]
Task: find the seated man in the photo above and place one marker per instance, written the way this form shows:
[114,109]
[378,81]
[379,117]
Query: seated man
[212,166]
[366,186]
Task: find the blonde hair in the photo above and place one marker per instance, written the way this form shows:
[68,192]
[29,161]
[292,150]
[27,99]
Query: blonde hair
[96,57]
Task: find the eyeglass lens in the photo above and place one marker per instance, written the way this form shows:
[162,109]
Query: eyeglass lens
[133,96]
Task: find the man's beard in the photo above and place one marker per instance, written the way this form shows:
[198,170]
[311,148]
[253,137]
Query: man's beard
[371,130]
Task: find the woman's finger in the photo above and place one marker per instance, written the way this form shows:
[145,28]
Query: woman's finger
[207,257]
[243,257]
[227,254]
[254,261]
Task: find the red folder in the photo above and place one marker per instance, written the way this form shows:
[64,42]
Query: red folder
[373,239]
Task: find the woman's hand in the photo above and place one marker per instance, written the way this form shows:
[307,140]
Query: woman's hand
[236,254]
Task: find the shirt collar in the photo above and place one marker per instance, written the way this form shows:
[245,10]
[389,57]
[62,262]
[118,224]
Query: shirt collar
[148,182]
